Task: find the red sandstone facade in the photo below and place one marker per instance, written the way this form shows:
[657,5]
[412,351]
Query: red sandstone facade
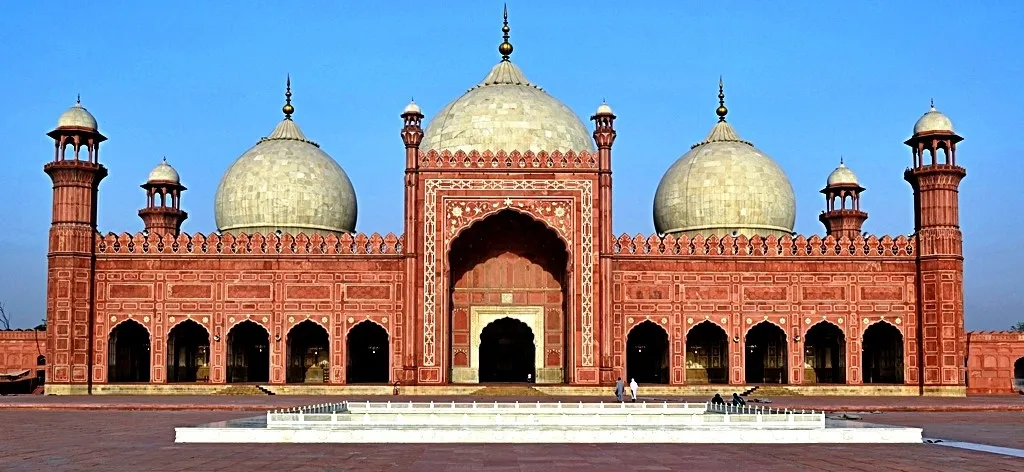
[488,234]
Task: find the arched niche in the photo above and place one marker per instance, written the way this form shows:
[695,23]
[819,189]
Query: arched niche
[824,354]
[882,354]
[248,353]
[128,355]
[369,354]
[707,354]
[188,353]
[647,359]
[766,354]
[308,347]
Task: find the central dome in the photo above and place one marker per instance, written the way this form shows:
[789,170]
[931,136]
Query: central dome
[506,112]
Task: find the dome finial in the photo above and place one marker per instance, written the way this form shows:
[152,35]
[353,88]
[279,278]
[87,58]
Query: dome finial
[722,110]
[78,100]
[932,101]
[288,109]
[841,164]
[165,159]
[505,48]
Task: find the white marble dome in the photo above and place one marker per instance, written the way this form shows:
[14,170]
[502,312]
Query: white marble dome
[933,120]
[842,175]
[724,186]
[77,117]
[506,112]
[285,183]
[163,172]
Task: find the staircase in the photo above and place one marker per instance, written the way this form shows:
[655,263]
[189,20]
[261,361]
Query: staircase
[509,391]
[769,391]
[238,390]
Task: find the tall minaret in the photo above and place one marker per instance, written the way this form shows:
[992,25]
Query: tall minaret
[412,136]
[70,302]
[604,136]
[845,219]
[163,214]
[935,178]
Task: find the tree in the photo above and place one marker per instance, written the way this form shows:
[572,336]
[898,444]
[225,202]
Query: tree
[1019,327]
[5,321]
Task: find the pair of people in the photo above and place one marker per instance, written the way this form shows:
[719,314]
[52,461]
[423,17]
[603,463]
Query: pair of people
[737,400]
[620,389]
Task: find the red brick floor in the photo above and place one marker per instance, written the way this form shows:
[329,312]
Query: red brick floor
[997,429]
[144,440]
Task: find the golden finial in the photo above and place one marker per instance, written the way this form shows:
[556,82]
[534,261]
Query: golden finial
[722,110]
[288,109]
[505,48]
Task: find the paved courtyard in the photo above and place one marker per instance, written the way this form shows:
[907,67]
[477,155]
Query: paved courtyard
[117,439]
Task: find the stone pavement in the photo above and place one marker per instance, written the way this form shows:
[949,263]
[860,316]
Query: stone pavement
[144,440]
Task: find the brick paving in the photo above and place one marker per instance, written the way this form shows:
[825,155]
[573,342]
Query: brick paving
[997,429]
[144,440]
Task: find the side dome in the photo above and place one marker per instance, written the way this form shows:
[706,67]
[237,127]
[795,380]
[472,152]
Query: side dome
[77,117]
[724,186]
[842,175]
[285,183]
[506,112]
[933,121]
[163,172]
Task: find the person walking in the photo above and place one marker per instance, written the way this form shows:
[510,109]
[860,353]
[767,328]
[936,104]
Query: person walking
[620,389]
[633,388]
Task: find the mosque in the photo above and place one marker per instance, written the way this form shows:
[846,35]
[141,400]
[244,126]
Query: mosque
[507,269]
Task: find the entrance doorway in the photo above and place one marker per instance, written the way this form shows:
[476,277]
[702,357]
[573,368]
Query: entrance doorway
[188,351]
[647,354]
[248,353]
[507,352]
[368,354]
[883,354]
[707,354]
[308,353]
[824,355]
[128,354]
[766,354]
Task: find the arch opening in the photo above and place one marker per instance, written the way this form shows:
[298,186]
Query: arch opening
[1018,375]
[766,354]
[369,354]
[128,355]
[188,353]
[824,355]
[506,264]
[882,355]
[707,354]
[647,358]
[309,357]
[507,352]
[248,353]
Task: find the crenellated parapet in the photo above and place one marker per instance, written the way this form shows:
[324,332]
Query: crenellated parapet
[771,246]
[501,160]
[996,336]
[243,244]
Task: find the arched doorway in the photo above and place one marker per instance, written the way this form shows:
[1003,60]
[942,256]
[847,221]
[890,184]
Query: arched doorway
[188,353]
[1018,374]
[507,265]
[128,353]
[707,354]
[824,354]
[766,354]
[882,355]
[369,354]
[647,354]
[507,352]
[308,354]
[248,353]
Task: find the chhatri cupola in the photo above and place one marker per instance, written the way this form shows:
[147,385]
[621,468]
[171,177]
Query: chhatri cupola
[506,112]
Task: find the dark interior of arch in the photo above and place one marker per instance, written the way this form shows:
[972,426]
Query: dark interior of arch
[248,353]
[1018,370]
[766,355]
[128,355]
[368,354]
[825,355]
[188,351]
[882,355]
[308,354]
[707,354]
[647,354]
[507,352]
[506,231]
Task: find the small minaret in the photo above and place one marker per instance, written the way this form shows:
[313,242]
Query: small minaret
[604,137]
[935,177]
[163,214]
[845,219]
[71,258]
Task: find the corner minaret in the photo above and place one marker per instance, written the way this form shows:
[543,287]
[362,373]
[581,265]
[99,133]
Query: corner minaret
[412,137]
[163,214]
[845,219]
[71,259]
[604,137]
[935,178]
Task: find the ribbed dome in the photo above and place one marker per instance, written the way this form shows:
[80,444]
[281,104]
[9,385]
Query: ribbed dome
[842,175]
[933,120]
[285,182]
[506,112]
[163,172]
[724,186]
[77,117]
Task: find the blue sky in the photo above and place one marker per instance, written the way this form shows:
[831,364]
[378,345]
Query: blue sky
[806,82]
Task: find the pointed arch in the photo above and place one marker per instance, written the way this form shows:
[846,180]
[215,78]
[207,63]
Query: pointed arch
[766,353]
[482,216]
[647,353]
[188,352]
[755,324]
[707,353]
[126,320]
[128,352]
[248,352]
[368,358]
[895,326]
[1018,374]
[308,347]
[824,354]
[709,321]
[882,353]
[368,320]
